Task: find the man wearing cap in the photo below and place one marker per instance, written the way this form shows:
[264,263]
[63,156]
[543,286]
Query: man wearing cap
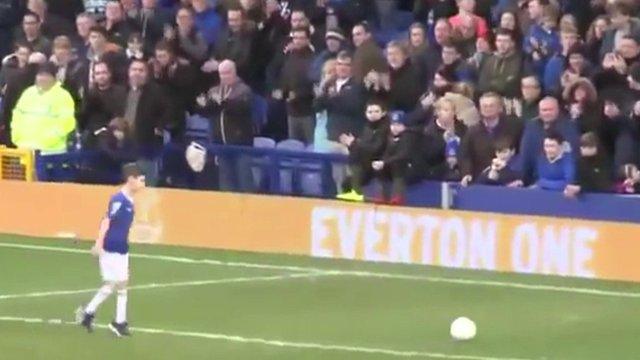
[335,42]
[44,115]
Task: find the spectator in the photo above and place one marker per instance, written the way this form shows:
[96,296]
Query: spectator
[297,88]
[100,49]
[368,55]
[396,166]
[553,72]
[102,103]
[228,107]
[80,40]
[115,147]
[466,10]
[549,119]
[320,140]
[70,73]
[13,63]
[615,133]
[52,25]
[405,85]
[175,77]
[478,144]
[152,21]
[119,27]
[16,85]
[418,46]
[501,71]
[187,39]
[509,21]
[595,37]
[335,42]
[299,19]
[527,108]
[594,171]
[43,118]
[207,21]
[31,33]
[555,168]
[622,23]
[365,149]
[629,50]
[502,170]
[427,11]
[442,34]
[542,40]
[454,63]
[235,43]
[583,107]
[343,99]
[441,143]
[146,112]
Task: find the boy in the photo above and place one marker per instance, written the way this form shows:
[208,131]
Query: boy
[396,164]
[594,174]
[556,170]
[112,249]
[501,171]
[365,149]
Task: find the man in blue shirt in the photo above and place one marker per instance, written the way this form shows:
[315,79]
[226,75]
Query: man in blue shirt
[556,169]
[112,249]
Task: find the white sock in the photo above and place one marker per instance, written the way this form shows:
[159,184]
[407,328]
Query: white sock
[100,297]
[121,307]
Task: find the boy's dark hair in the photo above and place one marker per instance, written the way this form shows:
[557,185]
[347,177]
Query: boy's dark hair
[100,30]
[589,139]
[505,32]
[503,144]
[131,170]
[622,8]
[344,55]
[378,102]
[164,45]
[365,26]
[303,29]
[21,44]
[555,136]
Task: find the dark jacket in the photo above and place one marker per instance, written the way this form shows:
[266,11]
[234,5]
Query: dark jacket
[501,75]
[345,109]
[152,115]
[100,107]
[506,175]
[231,118]
[21,80]
[295,79]
[433,155]
[406,87]
[370,145]
[176,82]
[366,58]
[152,27]
[119,33]
[239,48]
[595,174]
[478,145]
[531,146]
[608,41]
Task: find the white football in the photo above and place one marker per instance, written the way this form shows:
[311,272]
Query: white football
[463,328]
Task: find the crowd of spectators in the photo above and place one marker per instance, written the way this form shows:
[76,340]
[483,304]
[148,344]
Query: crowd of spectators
[520,93]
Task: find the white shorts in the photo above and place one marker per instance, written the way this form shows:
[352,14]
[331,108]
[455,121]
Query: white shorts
[114,267]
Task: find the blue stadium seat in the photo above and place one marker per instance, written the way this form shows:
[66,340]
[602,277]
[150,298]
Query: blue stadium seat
[259,164]
[259,113]
[198,128]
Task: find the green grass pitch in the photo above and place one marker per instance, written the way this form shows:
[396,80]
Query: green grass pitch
[254,306]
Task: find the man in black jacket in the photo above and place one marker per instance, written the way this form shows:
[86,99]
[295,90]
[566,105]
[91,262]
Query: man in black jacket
[104,102]
[343,99]
[406,85]
[146,114]
[297,88]
[228,106]
[176,78]
[10,11]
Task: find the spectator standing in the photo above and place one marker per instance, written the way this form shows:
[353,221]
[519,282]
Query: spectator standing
[335,42]
[228,106]
[343,99]
[152,21]
[623,23]
[207,21]
[32,34]
[442,35]
[466,9]
[405,84]
[454,63]
[542,40]
[70,71]
[146,113]
[527,107]
[297,88]
[556,169]
[10,14]
[368,56]
[80,40]
[13,63]
[43,118]
[594,172]
[418,46]
[119,27]
[553,72]
[52,25]
[100,49]
[187,39]
[501,71]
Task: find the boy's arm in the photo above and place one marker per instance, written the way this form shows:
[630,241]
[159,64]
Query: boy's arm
[102,232]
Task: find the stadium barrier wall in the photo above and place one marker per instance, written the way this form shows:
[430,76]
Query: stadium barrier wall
[328,229]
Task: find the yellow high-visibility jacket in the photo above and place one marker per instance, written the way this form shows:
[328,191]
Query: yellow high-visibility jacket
[43,120]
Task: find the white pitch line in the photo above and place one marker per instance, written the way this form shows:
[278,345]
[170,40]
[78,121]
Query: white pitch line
[274,343]
[172,284]
[433,279]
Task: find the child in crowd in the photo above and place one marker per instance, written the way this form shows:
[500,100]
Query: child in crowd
[502,170]
[556,170]
[594,173]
